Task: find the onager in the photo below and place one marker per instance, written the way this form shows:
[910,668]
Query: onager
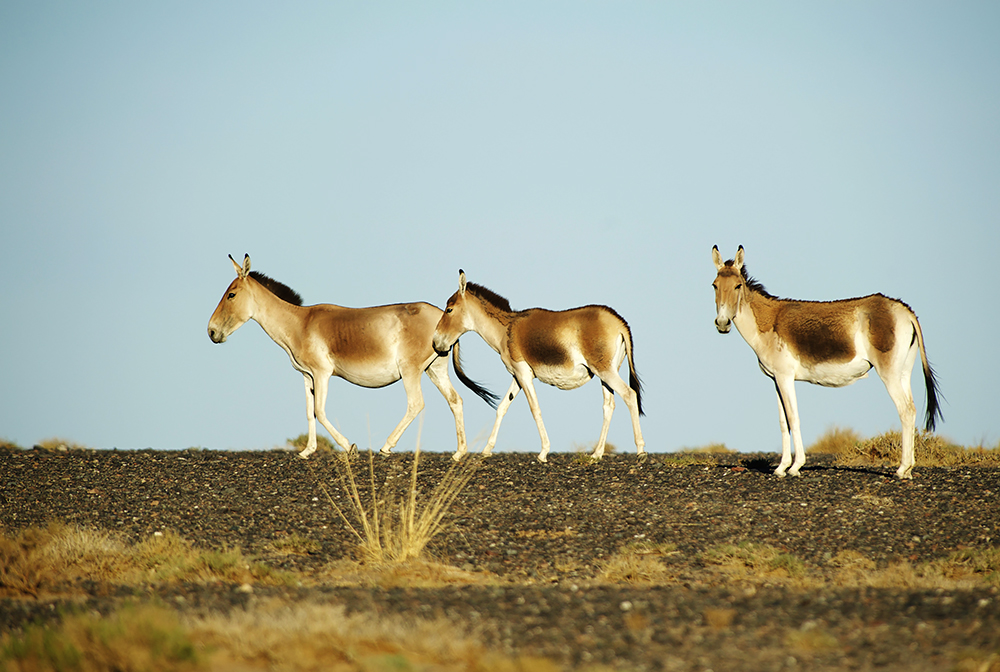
[562,348]
[829,343]
[371,347]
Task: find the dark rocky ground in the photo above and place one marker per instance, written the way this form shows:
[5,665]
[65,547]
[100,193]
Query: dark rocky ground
[544,532]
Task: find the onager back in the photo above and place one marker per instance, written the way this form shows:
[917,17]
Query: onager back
[830,343]
[562,348]
[371,347]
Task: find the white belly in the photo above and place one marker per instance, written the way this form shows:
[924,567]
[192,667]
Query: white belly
[565,378]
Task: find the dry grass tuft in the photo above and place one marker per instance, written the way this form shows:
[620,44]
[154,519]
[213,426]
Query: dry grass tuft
[6,444]
[710,449]
[322,443]
[59,445]
[135,638]
[749,560]
[931,450]
[639,563]
[36,560]
[836,441]
[392,528]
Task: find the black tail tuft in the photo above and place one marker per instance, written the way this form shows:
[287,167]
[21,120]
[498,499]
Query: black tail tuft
[933,407]
[487,396]
[636,385]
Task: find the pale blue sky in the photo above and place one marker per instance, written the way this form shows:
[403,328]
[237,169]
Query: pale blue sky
[561,153]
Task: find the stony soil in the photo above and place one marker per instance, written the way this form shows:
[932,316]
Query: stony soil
[543,532]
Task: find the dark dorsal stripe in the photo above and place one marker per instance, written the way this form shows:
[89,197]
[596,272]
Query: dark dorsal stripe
[280,290]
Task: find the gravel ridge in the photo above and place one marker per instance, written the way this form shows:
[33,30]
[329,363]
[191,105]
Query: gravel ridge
[544,531]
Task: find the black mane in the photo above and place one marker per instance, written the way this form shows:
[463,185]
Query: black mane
[489,296]
[280,290]
[753,285]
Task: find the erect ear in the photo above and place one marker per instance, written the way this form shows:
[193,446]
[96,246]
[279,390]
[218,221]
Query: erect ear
[738,259]
[717,258]
[461,282]
[244,270]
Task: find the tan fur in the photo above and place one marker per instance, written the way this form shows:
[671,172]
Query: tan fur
[371,347]
[561,348]
[832,343]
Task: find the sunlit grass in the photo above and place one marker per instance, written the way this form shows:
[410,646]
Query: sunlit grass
[36,560]
[931,450]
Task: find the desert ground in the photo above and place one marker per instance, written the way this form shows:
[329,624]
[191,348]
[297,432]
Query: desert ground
[678,562]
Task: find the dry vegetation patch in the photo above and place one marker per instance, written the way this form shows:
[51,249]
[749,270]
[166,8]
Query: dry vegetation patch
[931,450]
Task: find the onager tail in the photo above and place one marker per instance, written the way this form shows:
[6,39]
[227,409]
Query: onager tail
[487,396]
[930,381]
[633,376]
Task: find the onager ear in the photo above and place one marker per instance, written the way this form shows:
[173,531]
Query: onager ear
[461,282]
[738,259]
[244,270]
[717,258]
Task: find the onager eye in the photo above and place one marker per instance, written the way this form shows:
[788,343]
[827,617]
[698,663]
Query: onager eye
[448,310]
[232,295]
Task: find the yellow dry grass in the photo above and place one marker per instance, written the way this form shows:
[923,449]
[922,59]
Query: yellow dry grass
[932,450]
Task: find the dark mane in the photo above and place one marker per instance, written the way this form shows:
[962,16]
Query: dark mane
[753,285]
[280,290]
[489,296]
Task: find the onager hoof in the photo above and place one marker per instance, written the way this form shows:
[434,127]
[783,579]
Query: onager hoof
[457,456]
[385,451]
[306,452]
[542,459]
[353,450]
[642,457]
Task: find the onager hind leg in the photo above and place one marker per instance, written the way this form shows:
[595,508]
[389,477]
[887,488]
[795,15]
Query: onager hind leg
[502,407]
[438,373]
[414,404]
[613,382]
[609,409]
[902,397]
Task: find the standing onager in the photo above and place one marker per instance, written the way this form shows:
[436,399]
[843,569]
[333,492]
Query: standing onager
[371,347]
[565,349]
[830,343]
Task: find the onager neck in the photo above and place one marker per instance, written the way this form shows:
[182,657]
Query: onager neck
[748,317]
[279,319]
[491,323]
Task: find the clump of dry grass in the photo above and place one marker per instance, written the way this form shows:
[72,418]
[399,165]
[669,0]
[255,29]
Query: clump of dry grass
[391,528]
[835,441]
[40,559]
[710,449]
[274,634]
[964,569]
[6,444]
[639,562]
[60,445]
[753,560]
[931,450]
[144,638]
[322,443]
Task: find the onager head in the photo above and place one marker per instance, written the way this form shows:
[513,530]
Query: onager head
[455,321]
[730,286]
[236,306]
